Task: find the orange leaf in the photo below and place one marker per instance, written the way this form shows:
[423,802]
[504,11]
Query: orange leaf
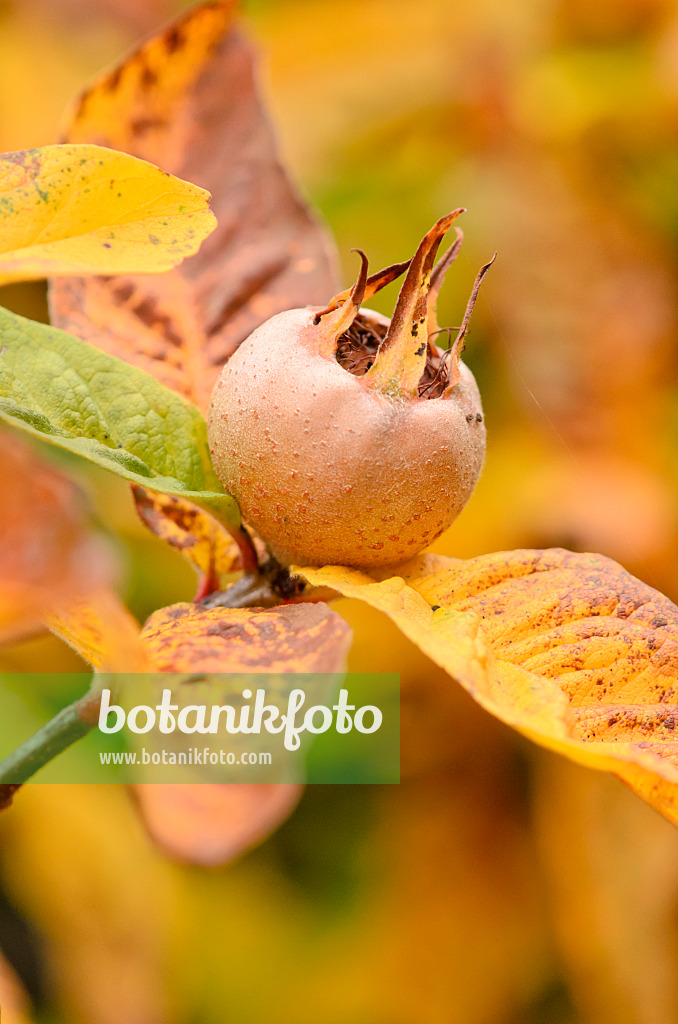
[187,102]
[290,638]
[569,649]
[199,537]
[211,825]
[13,999]
[54,572]
[47,556]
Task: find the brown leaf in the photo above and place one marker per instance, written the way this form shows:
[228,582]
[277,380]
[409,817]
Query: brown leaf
[290,638]
[212,824]
[47,556]
[567,648]
[188,102]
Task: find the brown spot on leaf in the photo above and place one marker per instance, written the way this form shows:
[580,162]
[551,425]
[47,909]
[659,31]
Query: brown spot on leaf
[140,125]
[113,80]
[290,638]
[148,77]
[174,40]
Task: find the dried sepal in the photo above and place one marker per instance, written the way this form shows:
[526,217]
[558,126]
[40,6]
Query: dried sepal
[374,284]
[337,319]
[457,347]
[400,362]
[437,278]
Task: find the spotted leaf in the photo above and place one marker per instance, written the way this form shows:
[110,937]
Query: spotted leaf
[290,638]
[198,536]
[567,648]
[79,209]
[188,101]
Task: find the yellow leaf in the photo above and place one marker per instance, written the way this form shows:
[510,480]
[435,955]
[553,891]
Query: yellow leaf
[619,864]
[103,632]
[140,911]
[189,529]
[569,649]
[81,209]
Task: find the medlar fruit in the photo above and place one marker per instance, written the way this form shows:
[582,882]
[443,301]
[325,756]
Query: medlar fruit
[347,438]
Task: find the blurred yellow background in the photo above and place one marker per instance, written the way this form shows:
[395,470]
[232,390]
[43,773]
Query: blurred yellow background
[498,884]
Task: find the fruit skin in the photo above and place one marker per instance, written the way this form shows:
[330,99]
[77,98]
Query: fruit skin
[328,470]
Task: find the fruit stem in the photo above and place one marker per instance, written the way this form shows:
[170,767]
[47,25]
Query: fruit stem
[401,358]
[248,553]
[249,560]
[272,586]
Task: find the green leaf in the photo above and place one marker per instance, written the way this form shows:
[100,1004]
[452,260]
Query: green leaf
[70,394]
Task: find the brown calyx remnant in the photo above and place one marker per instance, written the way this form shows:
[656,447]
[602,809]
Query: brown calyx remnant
[400,356]
[358,346]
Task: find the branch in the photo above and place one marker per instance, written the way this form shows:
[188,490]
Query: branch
[69,725]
